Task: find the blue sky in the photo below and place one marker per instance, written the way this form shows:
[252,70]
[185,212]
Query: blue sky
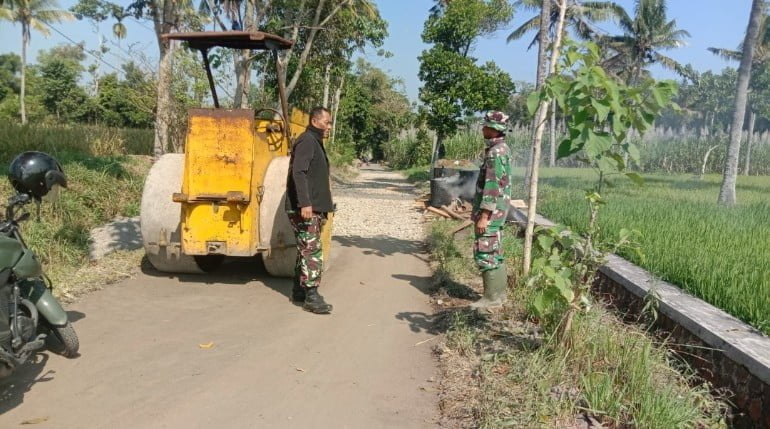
[719,23]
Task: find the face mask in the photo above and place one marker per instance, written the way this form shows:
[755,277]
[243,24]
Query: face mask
[493,141]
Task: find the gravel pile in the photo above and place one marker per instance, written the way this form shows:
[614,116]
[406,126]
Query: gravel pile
[377,203]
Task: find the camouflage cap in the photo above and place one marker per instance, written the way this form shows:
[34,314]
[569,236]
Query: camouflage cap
[496,120]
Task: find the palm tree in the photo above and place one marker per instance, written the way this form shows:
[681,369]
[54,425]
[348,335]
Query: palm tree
[31,14]
[760,61]
[761,51]
[730,173]
[644,38]
[581,16]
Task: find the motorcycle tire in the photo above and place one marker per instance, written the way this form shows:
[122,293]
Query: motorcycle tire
[63,340]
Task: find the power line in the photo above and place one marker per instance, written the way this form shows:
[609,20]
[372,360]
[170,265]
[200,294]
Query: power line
[101,60]
[88,51]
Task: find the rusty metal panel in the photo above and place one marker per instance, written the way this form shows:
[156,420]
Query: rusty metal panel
[219,152]
[219,158]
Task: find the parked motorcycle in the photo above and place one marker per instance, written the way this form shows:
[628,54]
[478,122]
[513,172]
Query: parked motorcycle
[30,317]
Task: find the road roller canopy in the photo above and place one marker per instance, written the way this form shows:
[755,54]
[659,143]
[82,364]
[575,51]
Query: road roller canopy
[257,40]
[204,40]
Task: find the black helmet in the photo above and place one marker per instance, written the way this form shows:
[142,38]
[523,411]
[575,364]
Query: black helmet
[35,174]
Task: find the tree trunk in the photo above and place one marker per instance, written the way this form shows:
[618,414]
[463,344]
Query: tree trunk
[749,141]
[337,97]
[327,82]
[727,192]
[537,143]
[542,48]
[163,113]
[24,43]
[316,25]
[243,73]
[705,161]
[542,71]
[243,67]
[552,160]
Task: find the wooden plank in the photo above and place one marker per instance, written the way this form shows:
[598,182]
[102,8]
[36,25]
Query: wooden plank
[438,212]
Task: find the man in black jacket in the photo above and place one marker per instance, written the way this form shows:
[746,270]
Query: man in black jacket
[308,201]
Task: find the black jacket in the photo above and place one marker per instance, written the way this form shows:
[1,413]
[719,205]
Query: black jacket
[308,181]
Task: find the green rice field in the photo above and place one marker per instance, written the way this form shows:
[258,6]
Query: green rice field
[719,254]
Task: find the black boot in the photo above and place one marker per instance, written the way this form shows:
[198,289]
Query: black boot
[315,303]
[297,292]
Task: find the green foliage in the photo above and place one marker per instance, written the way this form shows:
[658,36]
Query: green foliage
[707,102]
[566,268]
[55,96]
[601,112]
[129,102]
[60,93]
[516,107]
[458,25]
[467,144]
[373,109]
[402,153]
[10,67]
[645,37]
[454,85]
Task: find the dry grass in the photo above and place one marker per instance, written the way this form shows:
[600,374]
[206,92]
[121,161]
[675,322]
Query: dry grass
[502,370]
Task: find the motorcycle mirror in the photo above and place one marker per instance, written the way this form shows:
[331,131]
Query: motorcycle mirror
[53,195]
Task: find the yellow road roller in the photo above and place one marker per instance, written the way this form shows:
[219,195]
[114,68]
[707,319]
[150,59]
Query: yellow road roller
[225,195]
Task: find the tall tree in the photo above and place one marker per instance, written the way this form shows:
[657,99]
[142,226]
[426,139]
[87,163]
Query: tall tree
[542,72]
[165,16]
[537,141]
[729,176]
[645,37]
[580,17]
[10,67]
[758,90]
[453,84]
[374,108]
[60,69]
[31,14]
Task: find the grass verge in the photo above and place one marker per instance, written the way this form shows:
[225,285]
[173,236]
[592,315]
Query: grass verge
[500,370]
[100,189]
[63,140]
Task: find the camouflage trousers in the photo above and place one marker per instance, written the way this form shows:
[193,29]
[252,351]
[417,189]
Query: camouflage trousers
[488,247]
[309,265]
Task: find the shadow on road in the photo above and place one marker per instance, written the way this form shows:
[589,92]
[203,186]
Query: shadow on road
[383,246]
[14,387]
[74,316]
[233,271]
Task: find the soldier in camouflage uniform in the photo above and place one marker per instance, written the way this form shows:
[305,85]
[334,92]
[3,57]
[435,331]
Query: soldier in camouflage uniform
[490,210]
[308,200]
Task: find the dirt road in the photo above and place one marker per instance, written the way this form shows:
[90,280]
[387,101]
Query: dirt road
[272,365]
